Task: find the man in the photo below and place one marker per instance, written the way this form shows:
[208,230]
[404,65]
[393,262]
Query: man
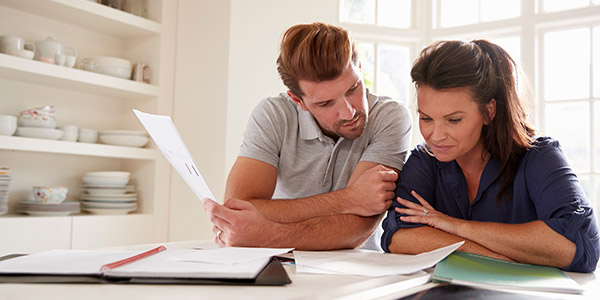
[318,164]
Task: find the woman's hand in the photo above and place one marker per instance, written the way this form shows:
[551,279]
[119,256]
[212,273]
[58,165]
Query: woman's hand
[426,214]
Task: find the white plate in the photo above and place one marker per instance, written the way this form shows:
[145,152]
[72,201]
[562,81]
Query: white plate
[124,132]
[128,201]
[40,133]
[114,199]
[129,188]
[106,191]
[86,204]
[106,181]
[124,140]
[108,211]
[108,196]
[111,174]
[47,213]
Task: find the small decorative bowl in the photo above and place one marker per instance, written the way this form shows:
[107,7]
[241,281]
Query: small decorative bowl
[50,194]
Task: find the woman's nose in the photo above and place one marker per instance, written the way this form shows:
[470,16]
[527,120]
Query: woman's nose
[438,132]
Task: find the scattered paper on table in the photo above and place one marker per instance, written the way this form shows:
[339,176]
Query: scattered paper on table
[368,263]
[231,255]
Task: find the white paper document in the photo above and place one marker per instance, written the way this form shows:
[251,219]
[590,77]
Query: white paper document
[167,139]
[231,255]
[368,263]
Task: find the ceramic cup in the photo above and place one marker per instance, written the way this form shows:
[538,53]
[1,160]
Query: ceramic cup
[8,124]
[14,45]
[50,194]
[87,135]
[71,133]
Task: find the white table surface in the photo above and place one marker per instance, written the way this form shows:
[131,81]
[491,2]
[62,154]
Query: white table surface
[303,286]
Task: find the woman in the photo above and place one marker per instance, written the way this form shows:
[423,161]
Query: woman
[482,176]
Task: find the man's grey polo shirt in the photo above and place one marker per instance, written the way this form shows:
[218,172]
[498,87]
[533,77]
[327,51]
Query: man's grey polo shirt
[308,162]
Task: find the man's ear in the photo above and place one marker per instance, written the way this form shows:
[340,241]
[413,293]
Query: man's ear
[491,109]
[297,100]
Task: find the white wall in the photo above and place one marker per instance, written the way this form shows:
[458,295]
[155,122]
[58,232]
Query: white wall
[199,111]
[256,27]
[226,53]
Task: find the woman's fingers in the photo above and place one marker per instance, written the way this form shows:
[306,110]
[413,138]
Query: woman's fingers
[422,201]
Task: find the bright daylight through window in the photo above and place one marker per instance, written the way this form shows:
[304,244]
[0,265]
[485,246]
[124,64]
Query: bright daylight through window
[556,42]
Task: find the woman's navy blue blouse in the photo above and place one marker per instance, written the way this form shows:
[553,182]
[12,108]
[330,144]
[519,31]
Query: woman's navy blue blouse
[544,188]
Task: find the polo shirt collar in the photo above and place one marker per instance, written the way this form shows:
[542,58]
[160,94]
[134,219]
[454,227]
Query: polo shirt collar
[310,130]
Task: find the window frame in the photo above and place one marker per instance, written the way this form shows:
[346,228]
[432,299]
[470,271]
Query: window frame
[530,27]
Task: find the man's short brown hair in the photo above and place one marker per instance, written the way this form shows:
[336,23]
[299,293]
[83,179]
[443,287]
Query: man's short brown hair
[314,52]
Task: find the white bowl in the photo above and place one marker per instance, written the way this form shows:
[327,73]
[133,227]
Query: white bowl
[40,133]
[87,135]
[108,181]
[25,121]
[111,174]
[109,60]
[50,194]
[124,140]
[112,66]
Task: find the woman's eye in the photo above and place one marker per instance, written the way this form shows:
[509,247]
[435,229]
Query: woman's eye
[425,119]
[454,121]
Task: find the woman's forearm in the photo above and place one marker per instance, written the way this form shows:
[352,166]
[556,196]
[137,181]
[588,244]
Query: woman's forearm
[532,242]
[425,238]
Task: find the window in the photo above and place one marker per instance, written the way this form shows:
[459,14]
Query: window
[390,13]
[385,59]
[451,13]
[556,42]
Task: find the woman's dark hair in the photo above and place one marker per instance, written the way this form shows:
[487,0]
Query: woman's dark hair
[489,73]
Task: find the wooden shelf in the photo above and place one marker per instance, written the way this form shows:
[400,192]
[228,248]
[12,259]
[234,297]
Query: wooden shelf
[31,71]
[90,15]
[63,147]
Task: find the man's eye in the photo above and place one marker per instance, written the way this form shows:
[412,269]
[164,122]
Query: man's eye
[352,89]
[324,104]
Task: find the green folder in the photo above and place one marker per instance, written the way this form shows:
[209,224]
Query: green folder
[470,269]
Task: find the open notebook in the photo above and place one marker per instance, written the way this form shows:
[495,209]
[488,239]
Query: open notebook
[158,265]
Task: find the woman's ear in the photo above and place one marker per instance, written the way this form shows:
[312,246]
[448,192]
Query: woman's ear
[491,110]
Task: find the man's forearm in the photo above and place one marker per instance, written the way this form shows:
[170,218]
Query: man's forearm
[325,233]
[302,209]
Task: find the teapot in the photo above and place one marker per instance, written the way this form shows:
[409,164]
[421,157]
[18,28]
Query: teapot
[50,51]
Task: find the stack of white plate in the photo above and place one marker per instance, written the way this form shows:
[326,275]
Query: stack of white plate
[112,66]
[35,208]
[4,183]
[129,138]
[107,193]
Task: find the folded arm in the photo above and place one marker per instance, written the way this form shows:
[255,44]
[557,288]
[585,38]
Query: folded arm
[335,220]
[532,242]
[254,181]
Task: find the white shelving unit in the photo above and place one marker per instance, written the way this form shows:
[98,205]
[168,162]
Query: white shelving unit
[31,71]
[89,100]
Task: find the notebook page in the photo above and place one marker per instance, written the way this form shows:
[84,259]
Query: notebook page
[164,265]
[64,262]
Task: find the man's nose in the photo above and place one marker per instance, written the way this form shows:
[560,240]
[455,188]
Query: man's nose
[347,111]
